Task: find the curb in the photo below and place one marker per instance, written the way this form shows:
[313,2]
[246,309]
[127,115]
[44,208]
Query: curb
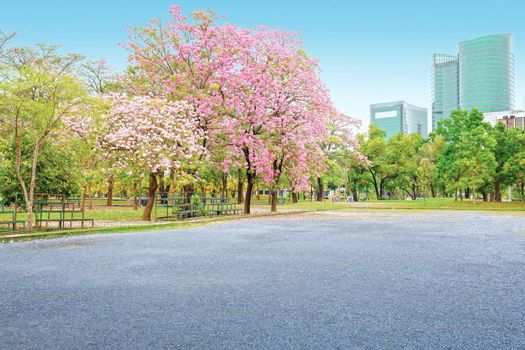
[157,226]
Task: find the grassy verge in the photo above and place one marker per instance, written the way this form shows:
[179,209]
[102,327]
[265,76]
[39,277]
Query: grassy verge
[13,236]
[123,219]
[430,204]
[18,237]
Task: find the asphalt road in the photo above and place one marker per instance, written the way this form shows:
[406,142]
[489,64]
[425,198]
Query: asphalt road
[371,281]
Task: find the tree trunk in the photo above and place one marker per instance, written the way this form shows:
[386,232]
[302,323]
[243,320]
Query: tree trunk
[188,192]
[240,189]
[273,195]
[432,190]
[355,195]
[295,198]
[18,162]
[379,193]
[111,185]
[152,189]
[249,189]
[90,205]
[320,190]
[135,199]
[32,185]
[497,190]
[164,189]
[83,203]
[203,193]
[381,189]
[224,186]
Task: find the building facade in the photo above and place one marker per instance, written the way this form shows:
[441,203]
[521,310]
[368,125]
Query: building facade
[486,74]
[481,76]
[445,87]
[511,119]
[399,117]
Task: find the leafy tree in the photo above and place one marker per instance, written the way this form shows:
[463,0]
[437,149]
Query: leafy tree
[57,169]
[375,149]
[427,166]
[467,160]
[404,154]
[38,92]
[339,148]
[355,169]
[509,152]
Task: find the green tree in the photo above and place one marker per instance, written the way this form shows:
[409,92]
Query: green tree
[427,167]
[509,152]
[57,170]
[404,155]
[38,93]
[375,148]
[355,169]
[338,141]
[467,160]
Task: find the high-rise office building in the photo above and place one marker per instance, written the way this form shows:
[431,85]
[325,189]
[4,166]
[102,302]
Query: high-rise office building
[481,76]
[399,117]
[445,87]
[486,73]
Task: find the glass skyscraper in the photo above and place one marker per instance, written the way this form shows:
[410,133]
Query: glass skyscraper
[481,76]
[486,73]
[399,117]
[445,87]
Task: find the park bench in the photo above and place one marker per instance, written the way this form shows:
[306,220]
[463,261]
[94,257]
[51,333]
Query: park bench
[222,209]
[12,225]
[179,208]
[62,222]
[184,214]
[46,212]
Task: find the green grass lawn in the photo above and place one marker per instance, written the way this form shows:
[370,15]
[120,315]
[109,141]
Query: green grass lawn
[99,213]
[420,204]
[122,216]
[115,214]
[126,214]
[451,204]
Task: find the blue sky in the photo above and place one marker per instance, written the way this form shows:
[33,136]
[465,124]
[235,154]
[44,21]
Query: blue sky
[370,51]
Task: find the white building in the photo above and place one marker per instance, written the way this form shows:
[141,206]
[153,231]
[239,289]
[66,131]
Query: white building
[512,119]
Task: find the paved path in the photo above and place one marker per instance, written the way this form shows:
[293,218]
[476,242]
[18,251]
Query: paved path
[423,281]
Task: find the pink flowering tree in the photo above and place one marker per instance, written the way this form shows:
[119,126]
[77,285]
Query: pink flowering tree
[151,136]
[275,109]
[184,60]
[257,96]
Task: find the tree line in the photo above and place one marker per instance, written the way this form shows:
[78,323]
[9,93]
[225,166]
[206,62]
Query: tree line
[466,157]
[209,108]
[200,100]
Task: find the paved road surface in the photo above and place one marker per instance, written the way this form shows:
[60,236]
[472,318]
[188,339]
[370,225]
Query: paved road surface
[372,281]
